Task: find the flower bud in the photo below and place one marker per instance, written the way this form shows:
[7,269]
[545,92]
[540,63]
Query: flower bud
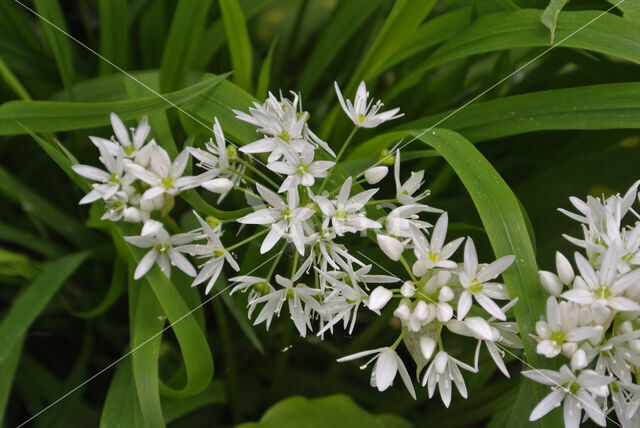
[436,282]
[634,345]
[375,174]
[218,185]
[414,324]
[402,311]
[379,297]
[390,246]
[550,282]
[446,294]
[151,227]
[564,269]
[408,289]
[480,328]
[625,327]
[386,158]
[132,215]
[445,312]
[427,346]
[421,311]
[579,360]
[569,348]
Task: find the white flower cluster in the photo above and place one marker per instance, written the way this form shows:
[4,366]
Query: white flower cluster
[323,283]
[592,318]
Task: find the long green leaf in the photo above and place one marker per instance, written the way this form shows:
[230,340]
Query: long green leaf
[348,19]
[12,81]
[186,29]
[265,74]
[121,408]
[28,305]
[590,30]
[7,373]
[551,14]
[506,228]
[49,116]
[239,43]
[58,42]
[114,34]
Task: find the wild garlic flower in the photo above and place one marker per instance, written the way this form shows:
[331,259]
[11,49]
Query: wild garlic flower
[387,365]
[344,210]
[164,251]
[300,169]
[442,371]
[476,285]
[364,113]
[214,251]
[108,182]
[129,144]
[283,218]
[405,191]
[577,393]
[433,253]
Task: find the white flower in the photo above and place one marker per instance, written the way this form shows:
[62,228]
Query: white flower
[376,174]
[109,182]
[214,251]
[295,296]
[603,288]
[283,217]
[164,176]
[342,303]
[475,283]
[560,332]
[388,363]
[162,252]
[218,185]
[300,169]
[399,219]
[442,370]
[365,114]
[130,147]
[431,254]
[379,297]
[404,192]
[343,211]
[576,392]
[392,247]
[258,287]
[555,283]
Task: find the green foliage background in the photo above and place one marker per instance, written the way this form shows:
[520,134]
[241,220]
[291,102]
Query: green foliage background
[566,124]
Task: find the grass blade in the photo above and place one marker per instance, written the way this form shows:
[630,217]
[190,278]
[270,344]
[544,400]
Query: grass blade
[239,43]
[265,73]
[114,34]
[28,305]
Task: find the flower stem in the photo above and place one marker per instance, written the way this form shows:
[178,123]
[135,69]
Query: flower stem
[249,239]
[258,172]
[382,201]
[244,176]
[295,264]
[408,269]
[273,266]
[342,149]
[397,342]
[248,192]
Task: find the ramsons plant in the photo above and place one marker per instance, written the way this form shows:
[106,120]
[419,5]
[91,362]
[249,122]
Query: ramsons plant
[326,283]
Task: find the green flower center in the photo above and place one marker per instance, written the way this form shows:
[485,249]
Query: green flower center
[286,214]
[262,287]
[361,118]
[302,169]
[232,153]
[218,253]
[162,247]
[285,136]
[167,182]
[290,294]
[212,221]
[342,214]
[573,388]
[114,178]
[129,150]
[475,287]
[603,292]
[558,337]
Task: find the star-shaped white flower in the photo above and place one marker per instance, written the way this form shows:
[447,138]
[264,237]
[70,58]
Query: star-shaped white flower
[405,191]
[108,182]
[433,253]
[442,370]
[300,169]
[283,217]
[364,113]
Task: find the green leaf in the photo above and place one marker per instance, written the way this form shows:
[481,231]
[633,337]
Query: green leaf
[630,9]
[7,373]
[608,106]
[337,411]
[175,408]
[186,29]
[58,42]
[238,41]
[27,240]
[346,22]
[121,408]
[12,81]
[195,350]
[114,34]
[33,299]
[50,116]
[118,279]
[506,228]
[550,15]
[147,337]
[590,30]
[265,72]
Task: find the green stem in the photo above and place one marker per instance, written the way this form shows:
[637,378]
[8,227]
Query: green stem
[273,266]
[408,269]
[295,264]
[397,342]
[382,201]
[249,239]
[342,149]
[258,172]
[244,176]
[337,189]
[248,192]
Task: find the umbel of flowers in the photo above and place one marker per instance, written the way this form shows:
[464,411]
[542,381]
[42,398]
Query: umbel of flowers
[285,173]
[591,324]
